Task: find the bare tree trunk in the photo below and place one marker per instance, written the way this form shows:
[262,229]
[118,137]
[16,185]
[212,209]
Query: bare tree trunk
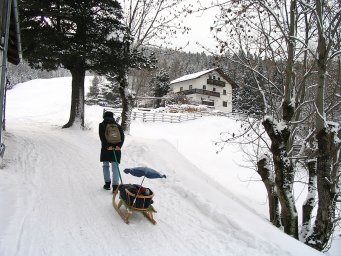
[127,102]
[280,138]
[284,176]
[327,148]
[287,108]
[324,223]
[268,179]
[322,69]
[122,78]
[77,98]
[310,201]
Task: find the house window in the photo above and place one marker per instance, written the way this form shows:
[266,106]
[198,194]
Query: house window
[204,87]
[190,87]
[213,89]
[218,78]
[224,92]
[213,77]
[224,103]
[181,89]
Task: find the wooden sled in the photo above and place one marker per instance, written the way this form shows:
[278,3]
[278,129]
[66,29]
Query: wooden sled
[128,201]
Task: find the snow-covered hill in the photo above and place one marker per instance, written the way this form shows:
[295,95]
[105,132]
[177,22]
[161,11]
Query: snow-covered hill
[52,201]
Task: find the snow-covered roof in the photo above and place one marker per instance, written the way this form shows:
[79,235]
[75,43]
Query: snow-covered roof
[192,76]
[199,74]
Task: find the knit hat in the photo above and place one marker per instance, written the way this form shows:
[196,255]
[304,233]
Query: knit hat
[108,114]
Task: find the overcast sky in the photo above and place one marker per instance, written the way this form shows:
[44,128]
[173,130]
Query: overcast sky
[199,23]
[199,34]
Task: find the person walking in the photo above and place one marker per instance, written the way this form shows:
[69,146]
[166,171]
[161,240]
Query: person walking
[112,139]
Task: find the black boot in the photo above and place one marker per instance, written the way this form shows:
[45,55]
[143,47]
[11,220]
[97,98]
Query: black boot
[107,185]
[114,188]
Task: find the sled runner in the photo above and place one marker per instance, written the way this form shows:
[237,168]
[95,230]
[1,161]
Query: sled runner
[136,198]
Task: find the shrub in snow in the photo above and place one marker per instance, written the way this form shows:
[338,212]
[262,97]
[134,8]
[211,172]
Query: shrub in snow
[103,93]
[176,98]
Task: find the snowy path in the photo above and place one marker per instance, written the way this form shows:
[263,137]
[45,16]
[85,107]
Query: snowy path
[64,210]
[52,202]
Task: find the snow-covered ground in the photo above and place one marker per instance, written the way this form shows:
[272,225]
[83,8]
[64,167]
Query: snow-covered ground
[52,201]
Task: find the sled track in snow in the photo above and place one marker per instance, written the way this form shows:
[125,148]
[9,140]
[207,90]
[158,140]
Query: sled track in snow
[66,212]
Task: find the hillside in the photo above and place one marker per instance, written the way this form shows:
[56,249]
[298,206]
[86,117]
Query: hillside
[52,201]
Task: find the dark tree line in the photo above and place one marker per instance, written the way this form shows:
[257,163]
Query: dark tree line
[23,73]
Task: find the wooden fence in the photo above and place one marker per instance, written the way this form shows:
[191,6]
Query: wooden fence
[148,116]
[163,117]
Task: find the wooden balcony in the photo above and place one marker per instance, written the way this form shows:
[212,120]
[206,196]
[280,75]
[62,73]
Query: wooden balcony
[216,82]
[207,103]
[201,91]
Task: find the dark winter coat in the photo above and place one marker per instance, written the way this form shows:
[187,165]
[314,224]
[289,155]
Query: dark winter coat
[108,155]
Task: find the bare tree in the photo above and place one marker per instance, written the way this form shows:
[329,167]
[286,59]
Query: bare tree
[328,22]
[286,46]
[149,23]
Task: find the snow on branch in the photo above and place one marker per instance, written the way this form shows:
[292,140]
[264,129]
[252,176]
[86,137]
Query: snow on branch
[337,53]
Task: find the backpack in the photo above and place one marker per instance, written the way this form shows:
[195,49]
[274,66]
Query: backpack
[112,134]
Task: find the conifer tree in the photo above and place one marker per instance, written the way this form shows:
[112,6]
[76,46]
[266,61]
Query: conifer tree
[92,96]
[74,35]
[160,85]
